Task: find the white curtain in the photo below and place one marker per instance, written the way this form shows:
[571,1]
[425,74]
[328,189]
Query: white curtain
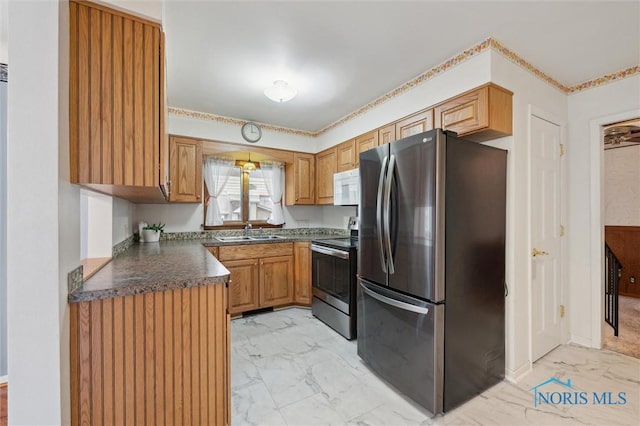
[216,171]
[273,173]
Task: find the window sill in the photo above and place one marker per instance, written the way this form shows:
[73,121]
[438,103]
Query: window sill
[92,265]
[239,225]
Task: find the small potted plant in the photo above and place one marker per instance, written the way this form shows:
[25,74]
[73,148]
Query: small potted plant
[151,233]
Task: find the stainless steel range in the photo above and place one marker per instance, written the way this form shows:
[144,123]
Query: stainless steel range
[334,264]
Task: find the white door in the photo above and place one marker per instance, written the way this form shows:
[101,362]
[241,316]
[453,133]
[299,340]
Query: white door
[545,236]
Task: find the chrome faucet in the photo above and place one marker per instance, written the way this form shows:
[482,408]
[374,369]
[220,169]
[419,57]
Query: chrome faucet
[247,227]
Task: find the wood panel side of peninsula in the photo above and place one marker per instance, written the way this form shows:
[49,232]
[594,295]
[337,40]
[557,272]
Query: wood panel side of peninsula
[154,358]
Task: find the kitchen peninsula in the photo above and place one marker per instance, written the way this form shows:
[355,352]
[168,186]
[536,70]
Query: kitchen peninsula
[149,339]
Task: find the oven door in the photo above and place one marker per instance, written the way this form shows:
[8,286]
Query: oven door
[332,276]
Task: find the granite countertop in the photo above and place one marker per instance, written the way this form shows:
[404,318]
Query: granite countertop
[179,260]
[146,268]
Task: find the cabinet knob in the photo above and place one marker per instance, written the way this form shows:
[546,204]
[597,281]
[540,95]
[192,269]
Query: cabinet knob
[197,197]
[230,281]
[255,264]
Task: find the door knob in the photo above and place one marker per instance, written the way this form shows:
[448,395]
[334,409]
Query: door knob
[535,252]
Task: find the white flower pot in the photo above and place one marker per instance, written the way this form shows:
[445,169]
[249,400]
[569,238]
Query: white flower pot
[149,236]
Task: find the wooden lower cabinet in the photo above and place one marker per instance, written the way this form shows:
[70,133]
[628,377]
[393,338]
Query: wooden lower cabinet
[302,273]
[276,281]
[243,285]
[155,358]
[262,275]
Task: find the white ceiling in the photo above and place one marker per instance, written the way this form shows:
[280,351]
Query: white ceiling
[341,55]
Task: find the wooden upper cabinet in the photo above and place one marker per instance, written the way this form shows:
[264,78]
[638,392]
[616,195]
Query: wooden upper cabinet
[414,124]
[185,164]
[326,166]
[115,102]
[479,115]
[347,155]
[387,134]
[300,177]
[364,143]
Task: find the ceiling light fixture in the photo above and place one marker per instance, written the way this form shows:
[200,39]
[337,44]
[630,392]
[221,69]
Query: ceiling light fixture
[280,91]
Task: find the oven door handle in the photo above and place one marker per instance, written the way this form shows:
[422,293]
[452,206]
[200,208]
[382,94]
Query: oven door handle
[330,252]
[393,302]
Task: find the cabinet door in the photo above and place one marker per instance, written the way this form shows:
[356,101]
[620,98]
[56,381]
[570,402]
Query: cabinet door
[347,155]
[479,115]
[276,281]
[414,124]
[115,102]
[243,287]
[326,163]
[387,134]
[303,181]
[185,158]
[364,143]
[302,273]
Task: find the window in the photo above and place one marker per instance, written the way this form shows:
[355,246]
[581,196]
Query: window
[244,197]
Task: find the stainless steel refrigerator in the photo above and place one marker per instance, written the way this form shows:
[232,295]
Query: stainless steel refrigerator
[431,267]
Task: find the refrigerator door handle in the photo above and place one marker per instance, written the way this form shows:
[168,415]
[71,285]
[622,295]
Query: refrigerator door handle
[393,302]
[383,258]
[387,213]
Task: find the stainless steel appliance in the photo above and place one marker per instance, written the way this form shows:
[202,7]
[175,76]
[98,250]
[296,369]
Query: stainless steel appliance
[334,263]
[431,266]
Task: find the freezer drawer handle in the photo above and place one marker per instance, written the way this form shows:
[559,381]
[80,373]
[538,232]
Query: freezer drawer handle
[330,252]
[393,302]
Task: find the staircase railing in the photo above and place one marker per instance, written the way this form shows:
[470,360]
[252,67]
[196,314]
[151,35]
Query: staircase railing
[613,270]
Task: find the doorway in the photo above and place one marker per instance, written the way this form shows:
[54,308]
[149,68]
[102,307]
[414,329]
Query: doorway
[621,220]
[547,310]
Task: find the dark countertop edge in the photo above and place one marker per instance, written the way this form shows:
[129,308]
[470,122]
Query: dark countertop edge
[81,295]
[287,239]
[145,288]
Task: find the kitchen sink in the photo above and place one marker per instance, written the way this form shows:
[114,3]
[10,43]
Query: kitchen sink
[246,238]
[233,239]
[266,237]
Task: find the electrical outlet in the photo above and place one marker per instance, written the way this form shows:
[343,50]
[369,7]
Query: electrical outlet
[632,280]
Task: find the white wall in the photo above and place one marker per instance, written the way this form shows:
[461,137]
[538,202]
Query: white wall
[588,111]
[43,239]
[151,9]
[529,91]
[189,217]
[4,31]
[226,132]
[622,186]
[122,223]
[95,224]
[3,229]
[465,76]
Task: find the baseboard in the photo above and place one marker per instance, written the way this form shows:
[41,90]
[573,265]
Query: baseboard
[514,376]
[579,340]
[4,380]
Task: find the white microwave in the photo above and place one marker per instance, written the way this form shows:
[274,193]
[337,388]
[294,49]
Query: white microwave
[346,188]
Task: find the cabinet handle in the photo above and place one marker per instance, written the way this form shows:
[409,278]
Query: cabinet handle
[255,264]
[197,197]
[230,281]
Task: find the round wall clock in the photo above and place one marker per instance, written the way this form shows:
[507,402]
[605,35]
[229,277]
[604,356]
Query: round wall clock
[251,132]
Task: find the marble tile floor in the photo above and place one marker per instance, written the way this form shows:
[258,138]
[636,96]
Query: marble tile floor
[628,339]
[288,368]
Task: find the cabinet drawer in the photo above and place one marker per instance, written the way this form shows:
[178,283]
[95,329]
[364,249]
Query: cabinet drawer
[253,251]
